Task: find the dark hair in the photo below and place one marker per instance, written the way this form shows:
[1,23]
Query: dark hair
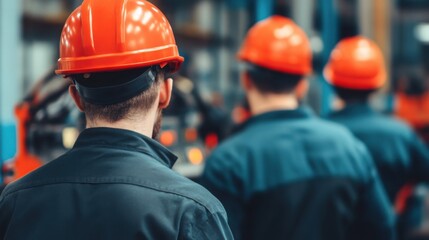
[115,112]
[353,95]
[269,81]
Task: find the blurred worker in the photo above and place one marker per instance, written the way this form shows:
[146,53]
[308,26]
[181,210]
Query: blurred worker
[288,174]
[356,70]
[116,183]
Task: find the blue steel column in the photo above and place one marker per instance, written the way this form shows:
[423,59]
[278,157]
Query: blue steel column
[264,9]
[10,74]
[236,4]
[330,38]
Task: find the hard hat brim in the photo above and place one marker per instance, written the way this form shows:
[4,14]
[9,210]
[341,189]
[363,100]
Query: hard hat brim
[121,61]
[374,82]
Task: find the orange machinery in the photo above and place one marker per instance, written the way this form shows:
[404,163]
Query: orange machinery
[47,113]
[24,162]
[34,123]
[414,109]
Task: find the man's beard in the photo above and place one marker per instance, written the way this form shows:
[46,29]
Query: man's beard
[157,125]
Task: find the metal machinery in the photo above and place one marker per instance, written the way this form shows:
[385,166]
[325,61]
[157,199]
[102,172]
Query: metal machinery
[411,71]
[47,126]
[191,127]
[410,101]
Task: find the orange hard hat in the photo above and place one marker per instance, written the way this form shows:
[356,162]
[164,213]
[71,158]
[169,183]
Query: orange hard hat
[278,44]
[356,63]
[109,35]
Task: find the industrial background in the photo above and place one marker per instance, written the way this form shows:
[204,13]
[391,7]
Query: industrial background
[38,121]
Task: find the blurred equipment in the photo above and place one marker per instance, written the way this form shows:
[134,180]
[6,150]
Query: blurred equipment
[192,127]
[414,219]
[48,125]
[215,121]
[412,103]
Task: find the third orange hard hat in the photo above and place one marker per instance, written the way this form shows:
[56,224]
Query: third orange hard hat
[356,63]
[278,44]
[109,35]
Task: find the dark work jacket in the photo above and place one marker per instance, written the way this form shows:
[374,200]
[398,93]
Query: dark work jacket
[290,175]
[397,151]
[114,184]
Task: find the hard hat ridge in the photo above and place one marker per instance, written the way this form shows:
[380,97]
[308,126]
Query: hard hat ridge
[356,63]
[278,44]
[109,35]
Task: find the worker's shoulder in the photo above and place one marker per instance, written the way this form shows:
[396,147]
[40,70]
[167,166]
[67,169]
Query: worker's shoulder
[395,124]
[375,121]
[12,188]
[333,132]
[320,132]
[164,185]
[389,127]
[327,126]
[172,183]
[285,134]
[168,186]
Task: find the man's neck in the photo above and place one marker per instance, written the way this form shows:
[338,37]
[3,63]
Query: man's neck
[260,104]
[143,127]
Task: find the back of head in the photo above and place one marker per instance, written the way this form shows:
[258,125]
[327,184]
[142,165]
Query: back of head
[277,53]
[353,95]
[115,51]
[356,68]
[274,82]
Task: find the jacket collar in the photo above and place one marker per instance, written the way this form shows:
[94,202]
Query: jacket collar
[361,108]
[299,113]
[121,138]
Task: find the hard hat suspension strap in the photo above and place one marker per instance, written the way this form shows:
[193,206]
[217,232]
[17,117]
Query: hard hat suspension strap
[108,95]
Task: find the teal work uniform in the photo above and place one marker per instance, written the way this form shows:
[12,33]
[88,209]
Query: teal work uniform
[291,175]
[113,184]
[399,154]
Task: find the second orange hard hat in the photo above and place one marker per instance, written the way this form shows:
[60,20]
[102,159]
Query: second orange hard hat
[109,35]
[356,63]
[278,44]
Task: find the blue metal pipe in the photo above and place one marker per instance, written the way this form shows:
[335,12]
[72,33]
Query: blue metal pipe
[264,9]
[330,38]
[10,77]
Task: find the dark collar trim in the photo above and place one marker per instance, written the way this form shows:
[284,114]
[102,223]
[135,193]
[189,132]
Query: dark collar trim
[121,138]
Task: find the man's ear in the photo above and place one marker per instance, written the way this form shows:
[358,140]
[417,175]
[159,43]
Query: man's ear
[165,91]
[246,83]
[76,97]
[302,89]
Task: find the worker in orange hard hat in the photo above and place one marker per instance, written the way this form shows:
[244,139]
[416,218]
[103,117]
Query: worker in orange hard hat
[357,70]
[287,174]
[116,182]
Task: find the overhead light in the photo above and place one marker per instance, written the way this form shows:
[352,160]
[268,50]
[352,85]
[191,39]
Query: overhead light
[422,32]
[69,136]
[316,44]
[167,138]
[195,156]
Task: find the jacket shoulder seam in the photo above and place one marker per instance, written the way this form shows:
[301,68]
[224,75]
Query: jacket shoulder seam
[111,180]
